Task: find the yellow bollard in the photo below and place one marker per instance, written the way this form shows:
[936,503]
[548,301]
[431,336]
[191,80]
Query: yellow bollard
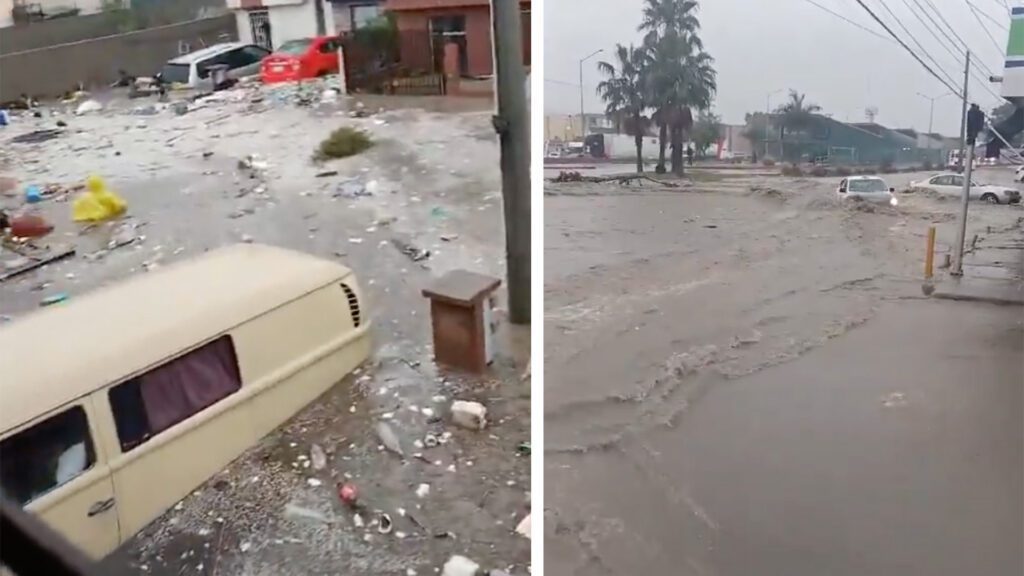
[929,257]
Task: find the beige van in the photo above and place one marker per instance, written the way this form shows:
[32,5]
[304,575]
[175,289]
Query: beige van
[117,404]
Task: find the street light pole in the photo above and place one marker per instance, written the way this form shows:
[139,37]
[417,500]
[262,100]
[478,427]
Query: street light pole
[931,112]
[583,123]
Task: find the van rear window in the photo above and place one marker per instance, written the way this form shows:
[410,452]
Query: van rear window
[175,73]
[45,456]
[174,391]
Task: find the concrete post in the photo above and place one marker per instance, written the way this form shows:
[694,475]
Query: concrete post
[513,126]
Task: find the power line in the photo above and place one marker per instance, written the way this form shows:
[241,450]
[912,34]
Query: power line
[907,48]
[848,21]
[983,28]
[988,17]
[916,41]
[959,53]
[562,82]
[951,29]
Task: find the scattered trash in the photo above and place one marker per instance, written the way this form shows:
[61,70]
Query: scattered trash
[87,107]
[318,457]
[327,173]
[351,189]
[97,203]
[430,441]
[389,439]
[244,546]
[753,338]
[30,226]
[472,415]
[358,521]
[37,136]
[449,237]
[54,299]
[895,400]
[329,96]
[314,482]
[524,448]
[422,490]
[415,254]
[247,239]
[33,194]
[384,524]
[293,511]
[348,494]
[438,212]
[207,154]
[460,566]
[523,529]
[62,124]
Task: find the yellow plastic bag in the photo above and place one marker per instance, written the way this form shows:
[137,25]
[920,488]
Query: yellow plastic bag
[97,203]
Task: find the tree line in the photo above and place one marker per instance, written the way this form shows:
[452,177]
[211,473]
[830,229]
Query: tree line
[662,80]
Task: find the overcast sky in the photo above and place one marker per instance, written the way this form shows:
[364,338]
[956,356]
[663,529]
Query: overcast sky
[763,46]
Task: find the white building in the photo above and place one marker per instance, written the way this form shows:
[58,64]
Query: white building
[272,22]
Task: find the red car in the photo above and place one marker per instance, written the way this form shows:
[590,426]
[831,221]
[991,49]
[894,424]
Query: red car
[301,59]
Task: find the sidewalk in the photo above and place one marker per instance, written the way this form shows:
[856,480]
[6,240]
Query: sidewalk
[993,272]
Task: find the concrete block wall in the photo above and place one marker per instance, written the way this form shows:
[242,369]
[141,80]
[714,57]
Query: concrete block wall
[96,62]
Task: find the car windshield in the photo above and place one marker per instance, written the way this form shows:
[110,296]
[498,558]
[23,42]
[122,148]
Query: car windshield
[175,73]
[867,185]
[295,47]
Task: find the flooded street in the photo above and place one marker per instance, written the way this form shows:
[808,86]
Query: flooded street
[431,182]
[743,376]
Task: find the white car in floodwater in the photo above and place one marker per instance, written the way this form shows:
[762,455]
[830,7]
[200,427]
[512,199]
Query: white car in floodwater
[868,189]
[952,185]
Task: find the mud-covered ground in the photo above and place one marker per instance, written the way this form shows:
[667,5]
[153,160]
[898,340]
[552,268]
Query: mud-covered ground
[430,182]
[742,376]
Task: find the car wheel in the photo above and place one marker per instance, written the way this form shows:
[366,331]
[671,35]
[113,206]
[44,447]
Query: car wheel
[990,198]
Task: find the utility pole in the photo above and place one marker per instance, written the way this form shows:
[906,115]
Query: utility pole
[963,115]
[968,132]
[583,122]
[513,126]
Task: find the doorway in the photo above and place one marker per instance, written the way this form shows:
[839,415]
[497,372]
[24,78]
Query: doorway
[445,29]
[259,24]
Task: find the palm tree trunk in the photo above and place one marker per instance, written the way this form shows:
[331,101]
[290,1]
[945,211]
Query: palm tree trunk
[662,142]
[638,139]
[678,167]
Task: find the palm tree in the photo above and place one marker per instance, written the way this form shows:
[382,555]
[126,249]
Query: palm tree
[795,114]
[680,75]
[624,93]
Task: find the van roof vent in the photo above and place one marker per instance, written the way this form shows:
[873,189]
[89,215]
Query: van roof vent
[353,304]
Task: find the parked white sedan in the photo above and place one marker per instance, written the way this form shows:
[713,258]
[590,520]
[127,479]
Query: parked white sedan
[866,188]
[952,184]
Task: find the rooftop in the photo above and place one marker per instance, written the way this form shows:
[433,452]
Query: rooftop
[66,351]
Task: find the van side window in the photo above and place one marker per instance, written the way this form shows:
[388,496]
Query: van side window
[45,456]
[174,391]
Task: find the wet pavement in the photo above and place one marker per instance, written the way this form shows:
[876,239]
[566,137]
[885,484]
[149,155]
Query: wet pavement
[431,181]
[744,377]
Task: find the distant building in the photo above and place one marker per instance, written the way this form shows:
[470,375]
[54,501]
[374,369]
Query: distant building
[853,143]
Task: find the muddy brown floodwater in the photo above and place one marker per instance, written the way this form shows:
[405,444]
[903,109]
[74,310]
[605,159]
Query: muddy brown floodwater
[431,180]
[743,377]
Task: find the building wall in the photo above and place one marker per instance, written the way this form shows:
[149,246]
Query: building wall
[292,22]
[242,23]
[5,13]
[479,51]
[96,62]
